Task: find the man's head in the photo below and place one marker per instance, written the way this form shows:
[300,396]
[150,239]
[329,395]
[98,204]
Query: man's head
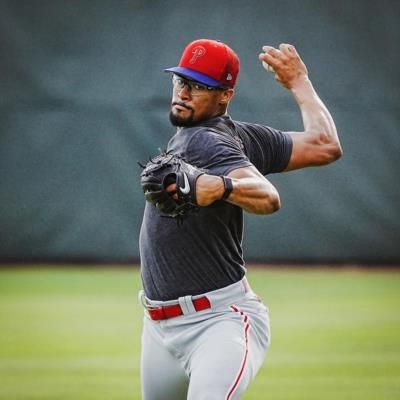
[203,82]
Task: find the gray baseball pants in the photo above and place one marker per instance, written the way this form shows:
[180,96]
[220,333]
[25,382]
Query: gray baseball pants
[211,354]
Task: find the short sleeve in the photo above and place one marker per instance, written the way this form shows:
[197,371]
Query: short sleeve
[267,148]
[218,153]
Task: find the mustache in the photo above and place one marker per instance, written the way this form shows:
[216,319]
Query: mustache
[178,103]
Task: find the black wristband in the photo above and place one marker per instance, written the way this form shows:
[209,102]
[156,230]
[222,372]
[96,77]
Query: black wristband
[228,187]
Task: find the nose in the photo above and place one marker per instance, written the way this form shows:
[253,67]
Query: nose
[184,92]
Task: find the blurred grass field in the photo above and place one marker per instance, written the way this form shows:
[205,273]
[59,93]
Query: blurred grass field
[74,333]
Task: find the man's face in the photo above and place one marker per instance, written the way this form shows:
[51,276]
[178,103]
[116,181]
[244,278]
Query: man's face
[193,102]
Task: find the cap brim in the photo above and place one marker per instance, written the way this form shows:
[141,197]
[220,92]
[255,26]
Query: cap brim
[194,75]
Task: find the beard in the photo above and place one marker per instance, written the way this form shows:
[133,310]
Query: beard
[176,120]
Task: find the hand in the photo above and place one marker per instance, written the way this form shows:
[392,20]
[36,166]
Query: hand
[177,200]
[209,188]
[287,64]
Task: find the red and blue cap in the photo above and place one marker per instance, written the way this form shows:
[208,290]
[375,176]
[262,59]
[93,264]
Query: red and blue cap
[210,62]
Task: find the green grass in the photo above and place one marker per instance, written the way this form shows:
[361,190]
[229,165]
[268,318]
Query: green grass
[75,334]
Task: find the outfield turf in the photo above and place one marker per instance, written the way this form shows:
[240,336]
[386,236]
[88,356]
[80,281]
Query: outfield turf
[75,334]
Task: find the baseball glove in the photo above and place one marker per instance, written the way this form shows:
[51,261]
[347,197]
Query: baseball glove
[164,170]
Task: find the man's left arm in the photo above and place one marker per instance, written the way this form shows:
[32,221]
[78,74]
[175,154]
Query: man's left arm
[250,190]
[318,144]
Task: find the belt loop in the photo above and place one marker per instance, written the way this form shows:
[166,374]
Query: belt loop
[246,285]
[142,301]
[142,298]
[186,304]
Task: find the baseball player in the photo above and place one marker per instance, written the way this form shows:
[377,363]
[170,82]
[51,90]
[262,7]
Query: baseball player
[205,331]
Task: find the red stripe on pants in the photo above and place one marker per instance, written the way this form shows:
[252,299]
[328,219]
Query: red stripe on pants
[246,329]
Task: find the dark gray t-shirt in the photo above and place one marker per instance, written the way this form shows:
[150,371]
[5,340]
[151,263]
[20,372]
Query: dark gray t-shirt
[204,253]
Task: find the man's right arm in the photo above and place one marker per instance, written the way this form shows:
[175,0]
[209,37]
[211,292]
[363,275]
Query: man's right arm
[318,144]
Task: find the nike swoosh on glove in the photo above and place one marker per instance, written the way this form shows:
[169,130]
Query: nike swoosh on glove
[159,173]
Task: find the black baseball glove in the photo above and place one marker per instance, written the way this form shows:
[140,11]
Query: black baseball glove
[160,172]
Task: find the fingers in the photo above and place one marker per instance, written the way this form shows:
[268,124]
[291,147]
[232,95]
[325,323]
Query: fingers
[270,54]
[270,58]
[285,50]
[171,188]
[276,57]
[268,67]
[285,63]
[172,191]
[271,51]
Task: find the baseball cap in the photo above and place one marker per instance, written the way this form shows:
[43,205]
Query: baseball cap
[210,62]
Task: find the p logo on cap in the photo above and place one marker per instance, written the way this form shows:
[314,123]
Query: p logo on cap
[210,62]
[197,52]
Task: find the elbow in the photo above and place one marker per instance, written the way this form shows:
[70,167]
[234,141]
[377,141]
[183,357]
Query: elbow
[330,152]
[335,152]
[271,204]
[333,148]
[275,205]
[339,152]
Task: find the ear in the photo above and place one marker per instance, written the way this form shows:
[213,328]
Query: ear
[225,96]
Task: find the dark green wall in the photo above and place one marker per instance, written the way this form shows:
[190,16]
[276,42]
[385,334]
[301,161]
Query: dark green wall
[83,97]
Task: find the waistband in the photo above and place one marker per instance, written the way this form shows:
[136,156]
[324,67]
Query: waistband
[158,310]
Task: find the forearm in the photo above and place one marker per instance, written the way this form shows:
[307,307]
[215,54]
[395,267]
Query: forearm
[317,120]
[254,194]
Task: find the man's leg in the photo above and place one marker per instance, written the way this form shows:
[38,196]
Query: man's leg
[162,375]
[229,354]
